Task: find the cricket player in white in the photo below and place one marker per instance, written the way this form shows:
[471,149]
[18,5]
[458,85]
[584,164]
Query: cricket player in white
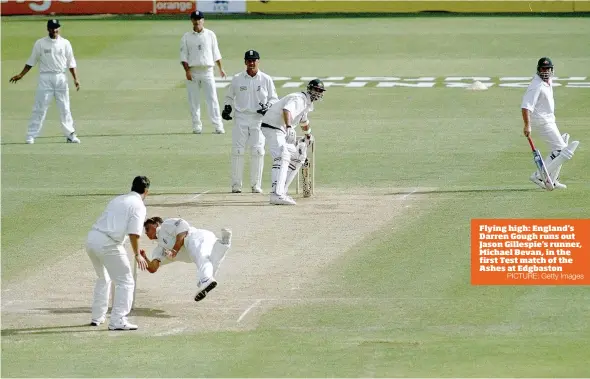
[278,127]
[180,242]
[251,93]
[123,219]
[54,55]
[199,52]
[538,111]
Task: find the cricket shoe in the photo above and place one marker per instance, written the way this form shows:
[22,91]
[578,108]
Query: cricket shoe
[72,138]
[123,325]
[219,131]
[226,236]
[97,322]
[30,140]
[208,285]
[559,185]
[256,189]
[281,200]
[236,189]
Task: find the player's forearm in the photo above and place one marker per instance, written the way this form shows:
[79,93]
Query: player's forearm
[74,73]
[218,63]
[185,66]
[526,117]
[286,117]
[179,242]
[25,70]
[134,240]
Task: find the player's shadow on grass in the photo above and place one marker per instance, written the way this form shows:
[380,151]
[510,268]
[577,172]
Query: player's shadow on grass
[85,328]
[144,312]
[464,190]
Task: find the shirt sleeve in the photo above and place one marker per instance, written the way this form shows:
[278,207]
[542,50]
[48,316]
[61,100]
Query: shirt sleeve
[215,48]
[272,91]
[34,58]
[529,100]
[71,60]
[135,223]
[181,226]
[158,254]
[230,94]
[183,49]
[294,106]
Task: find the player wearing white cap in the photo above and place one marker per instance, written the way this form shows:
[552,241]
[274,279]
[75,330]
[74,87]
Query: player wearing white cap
[251,93]
[538,111]
[199,52]
[55,55]
[180,242]
[278,127]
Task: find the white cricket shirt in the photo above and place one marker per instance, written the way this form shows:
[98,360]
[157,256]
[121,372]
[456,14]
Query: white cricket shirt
[538,99]
[246,92]
[199,49]
[123,215]
[166,236]
[298,104]
[53,55]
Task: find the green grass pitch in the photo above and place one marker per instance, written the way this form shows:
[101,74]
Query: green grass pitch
[402,305]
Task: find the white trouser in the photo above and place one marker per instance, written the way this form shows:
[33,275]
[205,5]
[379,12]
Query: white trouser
[281,153]
[110,261]
[204,79]
[51,85]
[549,133]
[206,251]
[247,131]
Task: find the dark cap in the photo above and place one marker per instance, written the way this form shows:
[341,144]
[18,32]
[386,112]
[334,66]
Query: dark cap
[197,15]
[545,62]
[53,24]
[251,54]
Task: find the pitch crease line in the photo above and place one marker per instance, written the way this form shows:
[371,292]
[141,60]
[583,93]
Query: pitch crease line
[198,195]
[249,309]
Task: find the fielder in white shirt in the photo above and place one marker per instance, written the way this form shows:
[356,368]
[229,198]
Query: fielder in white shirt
[251,93]
[54,55]
[199,52]
[121,221]
[538,111]
[278,127]
[180,242]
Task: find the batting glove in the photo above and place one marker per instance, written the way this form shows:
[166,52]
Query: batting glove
[291,135]
[263,109]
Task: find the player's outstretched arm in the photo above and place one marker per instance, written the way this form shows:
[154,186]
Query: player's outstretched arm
[152,265]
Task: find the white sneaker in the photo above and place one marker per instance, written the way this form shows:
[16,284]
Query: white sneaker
[198,130]
[125,325]
[97,322]
[30,140]
[207,286]
[72,138]
[559,185]
[281,200]
[219,131]
[236,189]
[256,189]
[537,180]
[226,236]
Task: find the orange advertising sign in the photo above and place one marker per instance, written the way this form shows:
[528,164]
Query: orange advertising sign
[530,251]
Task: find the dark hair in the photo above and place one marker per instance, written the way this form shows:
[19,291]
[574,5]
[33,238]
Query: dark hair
[152,221]
[140,184]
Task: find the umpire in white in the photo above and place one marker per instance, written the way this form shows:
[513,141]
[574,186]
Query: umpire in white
[199,52]
[54,55]
[250,94]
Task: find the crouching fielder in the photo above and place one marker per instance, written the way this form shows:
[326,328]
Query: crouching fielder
[538,111]
[278,127]
[180,242]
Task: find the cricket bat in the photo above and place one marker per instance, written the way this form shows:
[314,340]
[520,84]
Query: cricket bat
[541,167]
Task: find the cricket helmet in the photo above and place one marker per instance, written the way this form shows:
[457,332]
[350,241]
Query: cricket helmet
[316,89]
[545,62]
